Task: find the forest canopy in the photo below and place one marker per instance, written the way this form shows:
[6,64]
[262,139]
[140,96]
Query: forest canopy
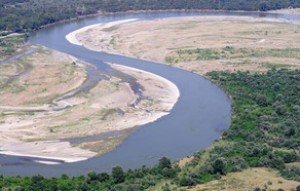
[28,15]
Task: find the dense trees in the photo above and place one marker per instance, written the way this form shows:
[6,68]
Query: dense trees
[262,134]
[138,179]
[165,168]
[265,129]
[262,5]
[27,15]
[118,175]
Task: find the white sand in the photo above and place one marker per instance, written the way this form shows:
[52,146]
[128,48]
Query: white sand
[171,88]
[292,11]
[71,37]
[167,95]
[47,150]
[162,93]
[161,96]
[172,91]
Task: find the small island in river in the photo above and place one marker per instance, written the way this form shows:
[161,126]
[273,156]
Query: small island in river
[45,102]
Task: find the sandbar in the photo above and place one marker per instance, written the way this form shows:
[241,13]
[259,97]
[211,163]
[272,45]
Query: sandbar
[160,39]
[31,126]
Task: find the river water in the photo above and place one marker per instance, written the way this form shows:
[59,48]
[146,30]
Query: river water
[201,114]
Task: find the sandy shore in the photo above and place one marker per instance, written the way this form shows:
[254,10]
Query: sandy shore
[159,39]
[54,150]
[33,128]
[75,36]
[292,11]
[156,89]
[169,93]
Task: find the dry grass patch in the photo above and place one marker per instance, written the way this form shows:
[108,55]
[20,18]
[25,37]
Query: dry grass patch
[249,180]
[39,78]
[175,40]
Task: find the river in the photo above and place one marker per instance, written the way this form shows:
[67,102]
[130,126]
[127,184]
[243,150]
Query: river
[200,116]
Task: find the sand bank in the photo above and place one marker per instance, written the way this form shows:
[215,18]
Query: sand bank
[159,94]
[55,150]
[159,39]
[291,11]
[33,128]
[75,39]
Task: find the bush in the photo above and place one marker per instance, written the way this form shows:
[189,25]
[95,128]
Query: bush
[219,166]
[118,175]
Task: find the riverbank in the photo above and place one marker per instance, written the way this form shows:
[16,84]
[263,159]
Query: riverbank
[293,11]
[78,38]
[166,40]
[35,113]
[229,44]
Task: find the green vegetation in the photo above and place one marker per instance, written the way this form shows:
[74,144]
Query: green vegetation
[291,173]
[27,15]
[265,128]
[139,179]
[11,84]
[188,55]
[9,45]
[265,132]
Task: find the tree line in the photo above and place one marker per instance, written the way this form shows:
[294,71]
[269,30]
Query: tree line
[264,132]
[28,15]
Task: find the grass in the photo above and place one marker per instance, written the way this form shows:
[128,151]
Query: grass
[44,100]
[96,117]
[188,55]
[248,180]
[105,145]
[13,88]
[268,65]
[105,113]
[11,83]
[9,45]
